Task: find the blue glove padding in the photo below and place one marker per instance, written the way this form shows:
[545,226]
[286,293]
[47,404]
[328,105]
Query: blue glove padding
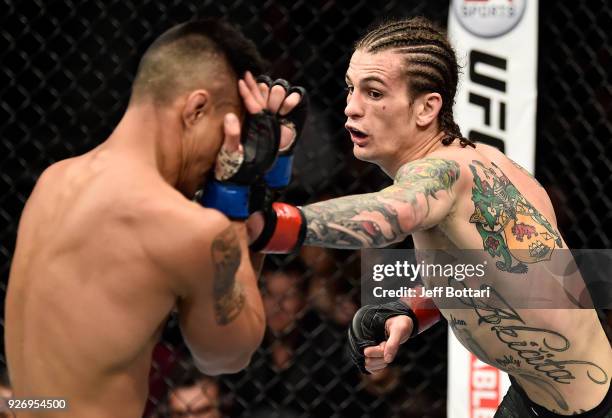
[279,175]
[231,199]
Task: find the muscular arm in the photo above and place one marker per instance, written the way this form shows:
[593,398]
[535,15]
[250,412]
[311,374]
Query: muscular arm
[421,196]
[221,314]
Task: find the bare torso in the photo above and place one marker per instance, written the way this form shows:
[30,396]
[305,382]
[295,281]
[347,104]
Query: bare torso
[86,298]
[561,357]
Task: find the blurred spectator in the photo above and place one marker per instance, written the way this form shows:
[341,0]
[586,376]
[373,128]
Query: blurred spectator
[332,291]
[197,398]
[191,394]
[302,368]
[284,297]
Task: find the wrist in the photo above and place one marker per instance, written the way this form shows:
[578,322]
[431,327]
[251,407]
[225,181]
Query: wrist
[284,229]
[279,175]
[254,226]
[424,314]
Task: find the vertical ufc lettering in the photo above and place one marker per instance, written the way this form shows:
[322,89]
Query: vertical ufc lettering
[479,61]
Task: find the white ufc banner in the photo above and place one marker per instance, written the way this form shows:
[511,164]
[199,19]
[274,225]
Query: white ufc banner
[496,43]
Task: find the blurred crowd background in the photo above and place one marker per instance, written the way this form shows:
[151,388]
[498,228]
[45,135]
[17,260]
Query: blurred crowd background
[65,81]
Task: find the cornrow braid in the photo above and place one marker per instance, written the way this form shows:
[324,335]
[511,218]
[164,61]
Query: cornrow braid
[430,64]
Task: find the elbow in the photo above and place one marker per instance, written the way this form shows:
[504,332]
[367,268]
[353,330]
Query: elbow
[237,358]
[226,366]
[229,364]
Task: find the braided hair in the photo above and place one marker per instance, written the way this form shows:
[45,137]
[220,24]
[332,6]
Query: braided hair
[430,64]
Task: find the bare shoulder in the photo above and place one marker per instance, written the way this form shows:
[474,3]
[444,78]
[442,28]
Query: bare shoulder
[47,182]
[467,160]
[487,167]
[51,174]
[439,171]
[180,236]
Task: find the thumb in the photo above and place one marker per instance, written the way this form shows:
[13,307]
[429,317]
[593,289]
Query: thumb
[396,337]
[288,135]
[231,130]
[231,153]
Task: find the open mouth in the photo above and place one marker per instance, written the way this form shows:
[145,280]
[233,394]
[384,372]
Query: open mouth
[356,133]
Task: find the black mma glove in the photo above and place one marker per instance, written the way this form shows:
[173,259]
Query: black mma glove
[235,172]
[279,175]
[368,328]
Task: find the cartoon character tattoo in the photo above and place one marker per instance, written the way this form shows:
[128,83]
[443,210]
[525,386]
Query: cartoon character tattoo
[510,227]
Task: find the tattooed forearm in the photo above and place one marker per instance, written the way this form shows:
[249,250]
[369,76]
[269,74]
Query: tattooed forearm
[337,223]
[229,298]
[372,220]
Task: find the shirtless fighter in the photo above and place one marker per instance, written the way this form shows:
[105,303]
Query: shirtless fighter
[449,193]
[110,242]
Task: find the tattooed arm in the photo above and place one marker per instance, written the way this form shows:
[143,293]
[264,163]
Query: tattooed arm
[221,313]
[422,195]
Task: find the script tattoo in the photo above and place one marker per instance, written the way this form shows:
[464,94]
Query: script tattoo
[455,323]
[467,339]
[510,227]
[537,349]
[229,299]
[508,361]
[371,220]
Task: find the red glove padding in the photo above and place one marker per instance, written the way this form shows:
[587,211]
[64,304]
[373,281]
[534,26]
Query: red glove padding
[424,314]
[284,230]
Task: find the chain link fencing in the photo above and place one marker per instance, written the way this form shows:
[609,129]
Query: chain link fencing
[65,80]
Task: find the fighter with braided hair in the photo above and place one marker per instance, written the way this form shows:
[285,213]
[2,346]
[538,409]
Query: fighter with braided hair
[450,193]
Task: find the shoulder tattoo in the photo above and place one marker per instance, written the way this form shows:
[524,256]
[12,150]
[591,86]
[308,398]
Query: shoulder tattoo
[511,228]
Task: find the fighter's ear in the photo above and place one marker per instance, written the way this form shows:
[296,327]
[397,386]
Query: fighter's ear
[427,108]
[196,106]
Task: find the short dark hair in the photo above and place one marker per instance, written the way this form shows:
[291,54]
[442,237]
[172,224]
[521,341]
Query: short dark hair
[180,58]
[430,63]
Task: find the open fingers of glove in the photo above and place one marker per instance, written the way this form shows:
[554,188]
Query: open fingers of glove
[374,364]
[264,82]
[264,90]
[276,98]
[375,350]
[290,103]
[251,94]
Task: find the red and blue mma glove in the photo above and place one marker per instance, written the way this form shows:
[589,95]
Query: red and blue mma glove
[229,190]
[368,326]
[284,225]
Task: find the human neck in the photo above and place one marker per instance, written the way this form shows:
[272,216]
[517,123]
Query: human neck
[148,135]
[421,148]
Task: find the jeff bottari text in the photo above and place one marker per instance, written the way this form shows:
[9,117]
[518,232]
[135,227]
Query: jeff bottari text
[434,292]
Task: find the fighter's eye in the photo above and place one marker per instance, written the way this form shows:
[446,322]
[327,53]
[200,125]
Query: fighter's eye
[374,94]
[349,89]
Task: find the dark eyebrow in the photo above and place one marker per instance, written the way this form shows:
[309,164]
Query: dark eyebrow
[347,80]
[374,78]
